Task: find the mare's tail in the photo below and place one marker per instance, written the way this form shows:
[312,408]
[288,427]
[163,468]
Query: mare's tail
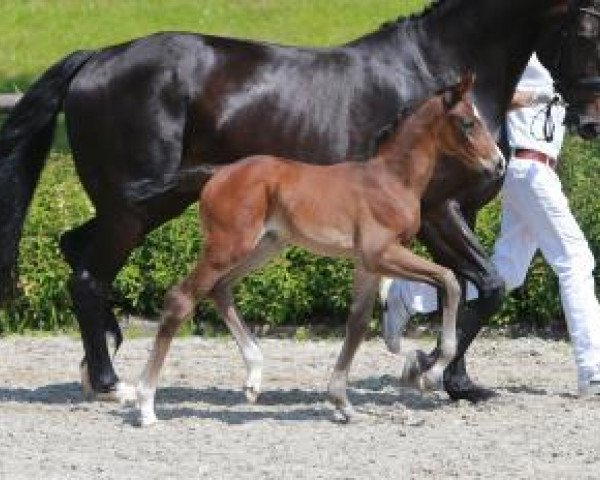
[25,140]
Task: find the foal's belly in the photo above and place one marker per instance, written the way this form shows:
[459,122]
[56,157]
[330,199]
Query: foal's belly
[318,237]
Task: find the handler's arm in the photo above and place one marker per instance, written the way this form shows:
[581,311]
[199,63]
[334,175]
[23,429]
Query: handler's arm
[522,99]
[528,98]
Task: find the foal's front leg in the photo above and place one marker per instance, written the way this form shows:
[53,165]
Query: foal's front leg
[268,246]
[399,261]
[253,357]
[363,298]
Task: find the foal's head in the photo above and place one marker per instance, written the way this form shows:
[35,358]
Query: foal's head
[446,124]
[461,132]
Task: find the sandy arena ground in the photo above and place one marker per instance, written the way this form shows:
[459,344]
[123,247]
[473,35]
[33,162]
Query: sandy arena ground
[536,428]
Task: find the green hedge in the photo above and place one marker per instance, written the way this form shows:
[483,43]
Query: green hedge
[297,288]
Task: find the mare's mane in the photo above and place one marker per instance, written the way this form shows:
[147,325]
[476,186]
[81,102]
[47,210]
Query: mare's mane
[434,6]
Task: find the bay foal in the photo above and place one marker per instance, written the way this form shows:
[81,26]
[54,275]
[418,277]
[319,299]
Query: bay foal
[367,211]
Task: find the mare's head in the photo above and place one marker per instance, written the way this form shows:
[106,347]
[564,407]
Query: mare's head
[571,50]
[461,133]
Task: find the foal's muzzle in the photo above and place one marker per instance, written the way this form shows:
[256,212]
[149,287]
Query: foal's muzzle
[496,165]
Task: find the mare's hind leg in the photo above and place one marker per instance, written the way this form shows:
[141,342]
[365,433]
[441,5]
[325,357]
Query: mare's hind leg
[96,251]
[223,298]
[364,294]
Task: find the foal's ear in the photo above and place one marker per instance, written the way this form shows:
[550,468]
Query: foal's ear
[456,93]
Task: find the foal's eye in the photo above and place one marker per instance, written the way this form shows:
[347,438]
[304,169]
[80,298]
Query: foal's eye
[467,125]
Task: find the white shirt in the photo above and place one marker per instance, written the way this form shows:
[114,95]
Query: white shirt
[526,125]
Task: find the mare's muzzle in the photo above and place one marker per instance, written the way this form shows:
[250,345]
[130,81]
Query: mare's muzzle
[583,116]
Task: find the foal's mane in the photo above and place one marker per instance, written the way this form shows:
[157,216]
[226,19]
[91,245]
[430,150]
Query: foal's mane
[403,116]
[386,132]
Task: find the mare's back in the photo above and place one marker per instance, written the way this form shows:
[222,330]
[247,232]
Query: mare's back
[237,97]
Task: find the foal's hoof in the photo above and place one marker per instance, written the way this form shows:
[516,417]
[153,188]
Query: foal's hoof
[252,394]
[147,420]
[433,379]
[344,411]
[416,363]
[345,414]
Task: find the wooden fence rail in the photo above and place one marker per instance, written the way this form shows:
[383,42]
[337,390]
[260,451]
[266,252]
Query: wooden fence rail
[8,101]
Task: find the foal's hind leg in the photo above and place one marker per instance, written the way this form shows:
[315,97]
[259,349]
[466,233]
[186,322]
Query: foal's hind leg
[364,294]
[178,305]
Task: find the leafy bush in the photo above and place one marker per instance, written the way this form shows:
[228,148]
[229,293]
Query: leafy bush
[296,288]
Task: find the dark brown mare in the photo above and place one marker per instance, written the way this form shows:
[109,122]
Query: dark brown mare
[141,114]
[369,212]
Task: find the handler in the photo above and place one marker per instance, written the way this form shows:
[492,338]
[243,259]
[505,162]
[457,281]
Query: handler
[535,214]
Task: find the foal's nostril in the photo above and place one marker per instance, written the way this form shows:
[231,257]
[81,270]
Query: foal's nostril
[500,162]
[501,165]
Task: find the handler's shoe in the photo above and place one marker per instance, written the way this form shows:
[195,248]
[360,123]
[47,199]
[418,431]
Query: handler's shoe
[395,314]
[591,387]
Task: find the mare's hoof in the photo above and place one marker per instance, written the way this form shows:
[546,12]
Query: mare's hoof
[252,394]
[122,393]
[462,388]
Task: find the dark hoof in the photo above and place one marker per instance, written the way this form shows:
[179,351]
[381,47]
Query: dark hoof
[464,389]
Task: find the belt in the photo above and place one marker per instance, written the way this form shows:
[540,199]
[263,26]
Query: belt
[536,156]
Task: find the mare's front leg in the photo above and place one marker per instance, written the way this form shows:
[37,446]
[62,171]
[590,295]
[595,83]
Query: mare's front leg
[452,243]
[364,294]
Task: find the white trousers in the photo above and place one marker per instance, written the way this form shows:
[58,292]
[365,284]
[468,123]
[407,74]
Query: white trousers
[536,214]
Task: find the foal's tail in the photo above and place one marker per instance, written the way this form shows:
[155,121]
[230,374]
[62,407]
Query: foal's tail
[25,140]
